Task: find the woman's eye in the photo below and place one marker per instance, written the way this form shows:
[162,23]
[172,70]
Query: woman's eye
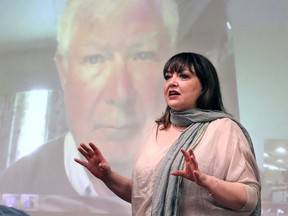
[183,76]
[144,56]
[94,59]
[166,76]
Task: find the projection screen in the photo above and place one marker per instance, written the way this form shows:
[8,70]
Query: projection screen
[91,71]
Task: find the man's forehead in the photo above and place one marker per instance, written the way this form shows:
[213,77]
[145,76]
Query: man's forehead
[143,9]
[127,10]
[130,25]
[115,40]
[129,22]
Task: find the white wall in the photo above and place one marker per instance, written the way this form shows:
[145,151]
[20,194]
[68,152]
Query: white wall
[261,52]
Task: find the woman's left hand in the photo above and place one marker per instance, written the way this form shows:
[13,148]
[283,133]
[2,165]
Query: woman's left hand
[232,194]
[191,170]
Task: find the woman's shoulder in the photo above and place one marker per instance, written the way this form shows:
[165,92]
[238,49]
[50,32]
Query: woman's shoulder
[227,125]
[223,122]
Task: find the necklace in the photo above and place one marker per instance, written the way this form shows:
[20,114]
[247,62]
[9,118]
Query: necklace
[178,129]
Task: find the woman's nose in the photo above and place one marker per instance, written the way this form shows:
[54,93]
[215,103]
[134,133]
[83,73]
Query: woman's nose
[173,80]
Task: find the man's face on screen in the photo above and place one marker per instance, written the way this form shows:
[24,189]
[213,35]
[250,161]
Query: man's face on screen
[114,77]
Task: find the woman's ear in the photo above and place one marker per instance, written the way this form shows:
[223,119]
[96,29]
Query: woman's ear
[61,64]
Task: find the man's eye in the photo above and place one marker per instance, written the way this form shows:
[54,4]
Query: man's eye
[147,55]
[94,59]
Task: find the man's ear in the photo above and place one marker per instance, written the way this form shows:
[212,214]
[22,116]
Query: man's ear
[61,64]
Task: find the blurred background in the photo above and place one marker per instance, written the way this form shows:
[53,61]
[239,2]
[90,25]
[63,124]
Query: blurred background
[246,40]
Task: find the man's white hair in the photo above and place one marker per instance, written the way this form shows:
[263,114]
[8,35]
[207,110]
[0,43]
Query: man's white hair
[99,9]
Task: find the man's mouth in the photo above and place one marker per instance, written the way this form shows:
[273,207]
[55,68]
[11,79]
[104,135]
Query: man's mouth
[115,132]
[117,125]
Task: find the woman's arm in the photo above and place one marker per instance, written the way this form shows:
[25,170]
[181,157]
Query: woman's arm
[120,185]
[232,194]
[99,167]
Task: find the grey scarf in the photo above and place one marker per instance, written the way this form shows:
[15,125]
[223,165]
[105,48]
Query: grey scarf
[167,187]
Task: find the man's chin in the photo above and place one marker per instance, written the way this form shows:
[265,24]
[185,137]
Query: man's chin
[116,135]
[120,154]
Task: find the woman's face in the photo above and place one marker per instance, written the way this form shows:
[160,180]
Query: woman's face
[181,90]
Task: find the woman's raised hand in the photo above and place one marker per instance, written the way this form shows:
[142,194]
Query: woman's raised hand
[191,170]
[95,163]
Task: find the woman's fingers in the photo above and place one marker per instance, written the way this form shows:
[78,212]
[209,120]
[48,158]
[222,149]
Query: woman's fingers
[87,149]
[95,149]
[191,153]
[186,155]
[177,173]
[191,170]
[194,163]
[190,157]
[84,153]
[83,163]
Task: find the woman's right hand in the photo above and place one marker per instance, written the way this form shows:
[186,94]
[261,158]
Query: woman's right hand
[95,163]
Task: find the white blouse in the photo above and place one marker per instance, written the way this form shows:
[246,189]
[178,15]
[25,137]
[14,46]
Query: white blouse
[223,152]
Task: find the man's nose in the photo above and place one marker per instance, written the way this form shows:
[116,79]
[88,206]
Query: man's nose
[121,86]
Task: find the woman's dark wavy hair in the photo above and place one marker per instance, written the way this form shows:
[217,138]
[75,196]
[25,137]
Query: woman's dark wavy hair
[210,97]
